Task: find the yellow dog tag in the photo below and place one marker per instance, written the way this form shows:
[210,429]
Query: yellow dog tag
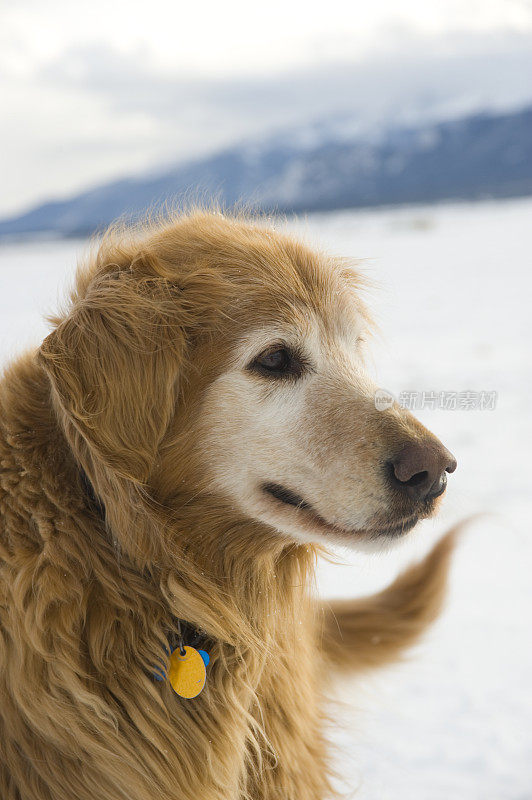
[186,672]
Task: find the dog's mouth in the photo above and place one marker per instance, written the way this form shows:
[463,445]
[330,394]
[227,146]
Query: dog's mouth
[285,495]
[289,498]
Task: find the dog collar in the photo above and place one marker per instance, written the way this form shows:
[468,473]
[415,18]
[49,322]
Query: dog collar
[187,664]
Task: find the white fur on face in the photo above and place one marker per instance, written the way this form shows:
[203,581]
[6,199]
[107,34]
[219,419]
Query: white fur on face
[307,434]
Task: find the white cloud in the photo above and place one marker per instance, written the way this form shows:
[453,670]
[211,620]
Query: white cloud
[213,38]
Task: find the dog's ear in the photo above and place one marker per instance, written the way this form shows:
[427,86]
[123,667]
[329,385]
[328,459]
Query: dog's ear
[113,364]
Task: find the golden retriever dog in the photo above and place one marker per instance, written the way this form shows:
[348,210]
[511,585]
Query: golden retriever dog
[195,428]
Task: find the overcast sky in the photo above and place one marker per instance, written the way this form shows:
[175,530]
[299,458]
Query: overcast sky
[95,91]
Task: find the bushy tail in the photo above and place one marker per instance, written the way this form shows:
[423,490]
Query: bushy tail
[372,631]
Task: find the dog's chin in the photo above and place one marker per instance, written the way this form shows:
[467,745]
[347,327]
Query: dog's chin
[293,516]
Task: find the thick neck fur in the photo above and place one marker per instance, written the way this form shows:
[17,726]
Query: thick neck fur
[96,616]
[234,579]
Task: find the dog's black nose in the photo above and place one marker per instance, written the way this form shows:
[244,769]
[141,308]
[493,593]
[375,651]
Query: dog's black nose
[420,469]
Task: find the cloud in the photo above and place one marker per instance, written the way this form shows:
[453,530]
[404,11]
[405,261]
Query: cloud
[491,68]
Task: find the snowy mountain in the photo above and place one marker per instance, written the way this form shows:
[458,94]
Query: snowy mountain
[320,167]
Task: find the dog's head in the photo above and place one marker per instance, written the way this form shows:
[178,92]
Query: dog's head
[214,356]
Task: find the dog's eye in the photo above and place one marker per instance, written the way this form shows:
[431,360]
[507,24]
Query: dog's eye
[277,362]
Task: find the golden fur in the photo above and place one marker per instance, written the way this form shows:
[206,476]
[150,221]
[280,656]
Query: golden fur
[141,385]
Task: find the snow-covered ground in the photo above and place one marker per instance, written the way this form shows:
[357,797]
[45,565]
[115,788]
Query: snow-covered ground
[453,302]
